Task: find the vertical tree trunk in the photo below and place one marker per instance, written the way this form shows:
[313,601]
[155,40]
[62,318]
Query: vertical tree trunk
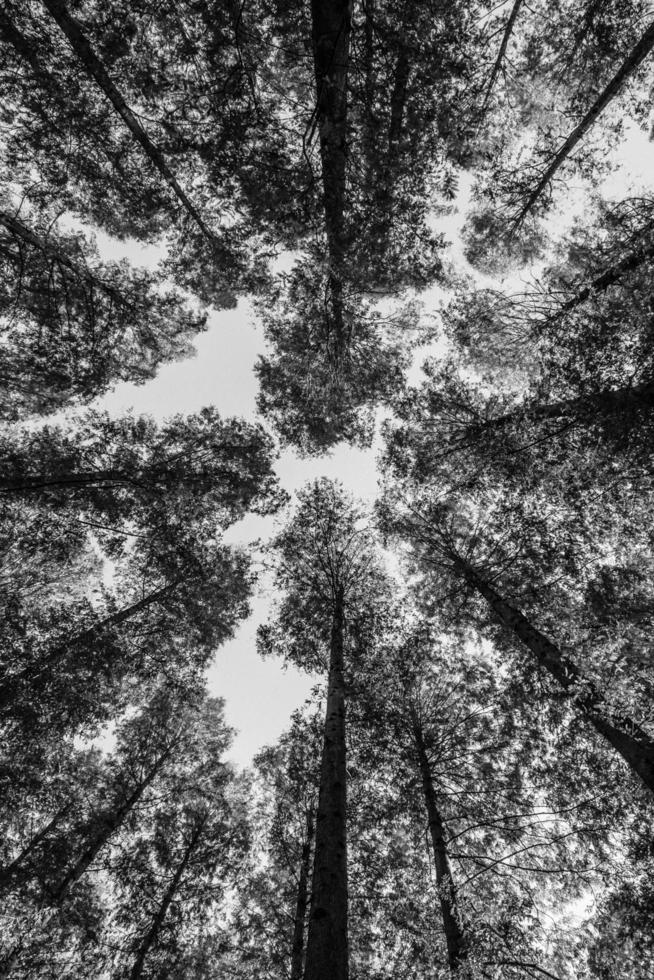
[151,935]
[633,60]
[456,944]
[299,923]
[109,824]
[327,942]
[97,71]
[331,23]
[625,735]
[506,36]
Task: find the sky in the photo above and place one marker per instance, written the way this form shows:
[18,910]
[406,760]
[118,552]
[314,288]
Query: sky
[261,695]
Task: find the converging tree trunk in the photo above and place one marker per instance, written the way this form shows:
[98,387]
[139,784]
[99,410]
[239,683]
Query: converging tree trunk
[151,935]
[302,902]
[108,824]
[331,23]
[501,54]
[327,941]
[625,735]
[633,60]
[457,951]
[97,71]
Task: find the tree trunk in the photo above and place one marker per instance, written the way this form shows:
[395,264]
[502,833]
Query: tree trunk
[327,942]
[506,36]
[109,824]
[607,278]
[633,60]
[151,936]
[31,484]
[8,689]
[625,735]
[456,944]
[95,68]
[9,872]
[299,922]
[331,22]
[65,263]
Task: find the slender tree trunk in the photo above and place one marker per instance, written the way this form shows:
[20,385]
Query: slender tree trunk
[10,871]
[331,23]
[327,942]
[32,484]
[302,903]
[457,951]
[8,690]
[607,278]
[151,936]
[499,61]
[626,736]
[633,60]
[65,263]
[615,401]
[96,69]
[108,825]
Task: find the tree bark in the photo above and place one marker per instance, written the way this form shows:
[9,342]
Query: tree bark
[109,824]
[302,903]
[331,23]
[151,936]
[626,736]
[633,60]
[97,71]
[327,942]
[457,951]
[506,36]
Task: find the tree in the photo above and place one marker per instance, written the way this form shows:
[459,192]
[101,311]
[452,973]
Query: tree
[327,571]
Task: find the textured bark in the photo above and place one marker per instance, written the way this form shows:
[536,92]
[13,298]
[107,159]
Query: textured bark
[327,942]
[331,23]
[633,60]
[151,936]
[626,736]
[457,951]
[109,823]
[499,61]
[302,903]
[97,71]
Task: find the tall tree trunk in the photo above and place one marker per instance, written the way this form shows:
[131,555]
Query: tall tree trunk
[327,942]
[95,68]
[607,278]
[499,61]
[457,951]
[151,936]
[626,736]
[633,60]
[302,903]
[32,484]
[8,690]
[66,265]
[11,870]
[331,23]
[109,823]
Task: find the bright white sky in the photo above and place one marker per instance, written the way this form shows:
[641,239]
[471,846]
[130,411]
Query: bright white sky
[260,695]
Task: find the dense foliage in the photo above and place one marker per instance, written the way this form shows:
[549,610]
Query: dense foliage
[468,791]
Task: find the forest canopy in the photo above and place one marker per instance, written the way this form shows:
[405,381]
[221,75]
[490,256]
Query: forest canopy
[440,217]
